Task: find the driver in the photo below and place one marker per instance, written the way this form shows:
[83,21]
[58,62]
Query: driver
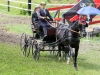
[44,17]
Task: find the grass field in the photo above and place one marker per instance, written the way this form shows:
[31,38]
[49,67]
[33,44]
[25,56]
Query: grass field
[13,63]
[19,29]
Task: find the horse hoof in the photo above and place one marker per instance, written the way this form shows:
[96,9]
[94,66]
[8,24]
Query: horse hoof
[68,62]
[59,59]
[75,68]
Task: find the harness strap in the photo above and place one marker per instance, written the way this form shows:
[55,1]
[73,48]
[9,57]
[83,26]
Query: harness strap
[70,30]
[73,30]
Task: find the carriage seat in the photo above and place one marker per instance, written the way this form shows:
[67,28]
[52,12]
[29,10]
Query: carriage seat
[51,31]
[34,26]
[51,35]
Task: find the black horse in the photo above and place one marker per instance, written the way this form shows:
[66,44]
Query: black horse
[69,37]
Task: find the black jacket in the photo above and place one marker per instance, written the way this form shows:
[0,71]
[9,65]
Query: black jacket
[46,14]
[34,17]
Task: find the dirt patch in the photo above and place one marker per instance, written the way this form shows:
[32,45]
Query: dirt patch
[8,19]
[6,36]
[86,46]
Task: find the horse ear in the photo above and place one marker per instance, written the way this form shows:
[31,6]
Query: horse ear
[86,25]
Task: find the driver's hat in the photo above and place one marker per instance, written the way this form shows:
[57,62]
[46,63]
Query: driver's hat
[43,3]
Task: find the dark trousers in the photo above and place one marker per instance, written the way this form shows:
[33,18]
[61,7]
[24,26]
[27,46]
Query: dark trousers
[43,31]
[44,25]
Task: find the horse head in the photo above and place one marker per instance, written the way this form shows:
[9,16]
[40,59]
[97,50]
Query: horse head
[80,28]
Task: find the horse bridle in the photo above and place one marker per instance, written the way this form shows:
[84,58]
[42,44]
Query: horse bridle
[72,29]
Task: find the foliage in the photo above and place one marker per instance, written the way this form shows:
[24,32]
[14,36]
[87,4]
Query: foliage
[23,12]
[14,11]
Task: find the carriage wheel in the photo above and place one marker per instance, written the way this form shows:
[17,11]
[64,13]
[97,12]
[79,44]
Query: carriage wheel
[29,46]
[35,50]
[25,45]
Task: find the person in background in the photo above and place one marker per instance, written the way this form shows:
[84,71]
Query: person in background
[82,19]
[44,18]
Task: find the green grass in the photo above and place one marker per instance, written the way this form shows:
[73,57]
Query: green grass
[13,63]
[94,39]
[19,29]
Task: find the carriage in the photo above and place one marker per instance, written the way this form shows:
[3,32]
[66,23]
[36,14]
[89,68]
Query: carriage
[35,44]
[60,38]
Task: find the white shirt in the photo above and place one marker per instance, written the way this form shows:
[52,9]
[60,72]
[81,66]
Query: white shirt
[44,10]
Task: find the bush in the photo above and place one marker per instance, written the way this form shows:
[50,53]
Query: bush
[49,1]
[23,12]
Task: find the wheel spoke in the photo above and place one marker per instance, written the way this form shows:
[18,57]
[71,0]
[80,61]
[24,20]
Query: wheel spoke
[22,51]
[25,45]
[35,50]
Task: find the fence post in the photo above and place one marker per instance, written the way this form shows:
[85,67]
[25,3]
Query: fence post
[8,6]
[29,7]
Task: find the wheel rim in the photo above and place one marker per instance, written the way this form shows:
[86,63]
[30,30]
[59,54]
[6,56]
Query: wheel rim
[22,44]
[35,50]
[25,45]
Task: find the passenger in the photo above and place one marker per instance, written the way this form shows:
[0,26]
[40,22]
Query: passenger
[44,15]
[35,21]
[35,14]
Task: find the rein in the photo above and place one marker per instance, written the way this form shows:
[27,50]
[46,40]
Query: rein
[71,29]
[68,28]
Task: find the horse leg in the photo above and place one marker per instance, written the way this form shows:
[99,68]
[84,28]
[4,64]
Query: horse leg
[68,54]
[63,52]
[75,57]
[59,51]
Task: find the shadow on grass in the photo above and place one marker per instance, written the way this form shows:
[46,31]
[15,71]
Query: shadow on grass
[88,65]
[81,62]
[49,58]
